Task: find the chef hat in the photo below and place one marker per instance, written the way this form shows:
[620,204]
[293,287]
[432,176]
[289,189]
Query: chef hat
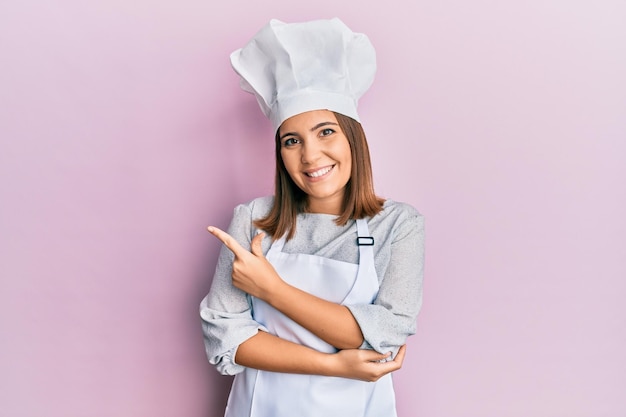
[292,68]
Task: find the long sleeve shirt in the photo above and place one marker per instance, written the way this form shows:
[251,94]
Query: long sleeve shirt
[398,232]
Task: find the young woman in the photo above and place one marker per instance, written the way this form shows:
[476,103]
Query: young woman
[317,287]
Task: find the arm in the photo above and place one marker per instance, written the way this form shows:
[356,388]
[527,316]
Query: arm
[227,322]
[388,322]
[270,353]
[331,322]
[252,273]
[225,311]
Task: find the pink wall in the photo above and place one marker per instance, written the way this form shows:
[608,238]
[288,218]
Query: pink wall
[124,133]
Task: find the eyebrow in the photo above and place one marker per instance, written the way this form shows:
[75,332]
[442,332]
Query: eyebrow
[313,129]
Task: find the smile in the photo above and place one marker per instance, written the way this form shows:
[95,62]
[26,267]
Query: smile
[319,172]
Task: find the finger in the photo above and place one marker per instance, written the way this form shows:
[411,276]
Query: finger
[401,354]
[373,356]
[396,363]
[227,240]
[255,245]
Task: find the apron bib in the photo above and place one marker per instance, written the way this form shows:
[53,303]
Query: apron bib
[270,394]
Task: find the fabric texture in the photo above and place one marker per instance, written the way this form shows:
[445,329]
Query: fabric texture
[398,232]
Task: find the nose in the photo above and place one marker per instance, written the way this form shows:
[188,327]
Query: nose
[311,151]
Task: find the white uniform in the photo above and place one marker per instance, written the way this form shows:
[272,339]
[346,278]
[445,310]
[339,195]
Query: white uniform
[270,394]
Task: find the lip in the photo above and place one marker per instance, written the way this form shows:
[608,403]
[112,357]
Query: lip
[321,177]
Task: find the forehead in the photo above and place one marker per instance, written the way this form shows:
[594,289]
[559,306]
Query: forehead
[307,120]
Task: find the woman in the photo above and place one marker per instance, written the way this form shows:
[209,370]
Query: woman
[317,287]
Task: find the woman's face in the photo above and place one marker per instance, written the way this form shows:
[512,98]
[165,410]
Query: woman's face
[317,156]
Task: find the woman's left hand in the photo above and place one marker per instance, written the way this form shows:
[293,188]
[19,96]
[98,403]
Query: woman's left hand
[252,273]
[364,364]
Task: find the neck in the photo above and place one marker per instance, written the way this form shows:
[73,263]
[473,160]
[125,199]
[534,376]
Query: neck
[325,206]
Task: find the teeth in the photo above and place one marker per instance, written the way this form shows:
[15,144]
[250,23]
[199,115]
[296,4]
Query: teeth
[320,172]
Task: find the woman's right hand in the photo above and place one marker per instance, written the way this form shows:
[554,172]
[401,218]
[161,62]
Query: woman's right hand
[364,365]
[252,272]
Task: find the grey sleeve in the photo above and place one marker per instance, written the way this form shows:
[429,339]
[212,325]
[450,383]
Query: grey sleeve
[225,311]
[388,322]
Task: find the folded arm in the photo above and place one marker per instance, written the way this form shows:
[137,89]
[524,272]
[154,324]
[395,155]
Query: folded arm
[253,274]
[270,353]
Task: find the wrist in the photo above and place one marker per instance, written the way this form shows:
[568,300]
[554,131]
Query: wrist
[327,364]
[277,293]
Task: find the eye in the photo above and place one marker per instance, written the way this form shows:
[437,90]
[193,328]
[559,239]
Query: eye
[290,142]
[326,132]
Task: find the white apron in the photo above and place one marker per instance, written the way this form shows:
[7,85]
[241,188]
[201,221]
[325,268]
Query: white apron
[270,394]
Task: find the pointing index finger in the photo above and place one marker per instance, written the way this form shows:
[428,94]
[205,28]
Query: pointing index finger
[226,239]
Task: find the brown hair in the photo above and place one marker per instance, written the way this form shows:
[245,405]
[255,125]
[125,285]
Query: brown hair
[359,198]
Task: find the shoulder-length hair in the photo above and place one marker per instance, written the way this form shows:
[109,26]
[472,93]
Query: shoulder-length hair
[359,198]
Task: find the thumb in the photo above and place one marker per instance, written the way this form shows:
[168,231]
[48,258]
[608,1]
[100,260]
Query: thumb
[255,245]
[373,356]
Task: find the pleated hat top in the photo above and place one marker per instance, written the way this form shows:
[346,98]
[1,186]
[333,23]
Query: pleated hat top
[292,68]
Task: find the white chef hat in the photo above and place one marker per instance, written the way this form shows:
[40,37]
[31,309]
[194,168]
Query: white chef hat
[292,68]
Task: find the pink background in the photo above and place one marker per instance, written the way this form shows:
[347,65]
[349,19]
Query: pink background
[124,133]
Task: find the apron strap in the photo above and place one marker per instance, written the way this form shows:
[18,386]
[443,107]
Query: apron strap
[366,276]
[366,246]
[363,234]
[276,246]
